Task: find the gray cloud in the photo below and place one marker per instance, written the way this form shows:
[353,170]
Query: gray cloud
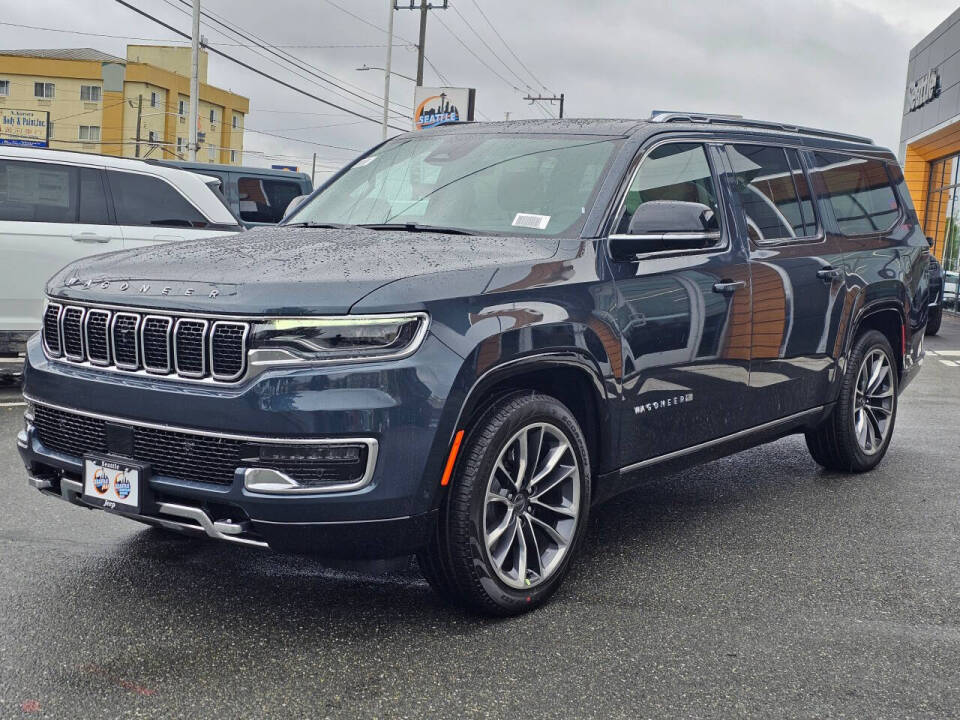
[836,64]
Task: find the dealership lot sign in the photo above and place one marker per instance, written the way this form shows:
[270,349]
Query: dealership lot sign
[441,105]
[26,128]
[923,90]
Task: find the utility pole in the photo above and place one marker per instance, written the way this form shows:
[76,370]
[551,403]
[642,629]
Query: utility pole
[136,151]
[540,98]
[194,81]
[313,171]
[386,71]
[424,7]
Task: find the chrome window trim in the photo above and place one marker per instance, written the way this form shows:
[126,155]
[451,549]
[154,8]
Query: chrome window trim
[136,341]
[63,337]
[203,342]
[372,444]
[108,336]
[143,351]
[243,355]
[613,219]
[43,335]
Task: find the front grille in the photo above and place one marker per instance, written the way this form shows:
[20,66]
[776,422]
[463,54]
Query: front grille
[162,344]
[184,455]
[72,324]
[98,337]
[51,329]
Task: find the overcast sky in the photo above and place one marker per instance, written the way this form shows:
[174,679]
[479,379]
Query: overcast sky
[838,64]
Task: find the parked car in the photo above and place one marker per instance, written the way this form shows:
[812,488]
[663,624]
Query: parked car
[950,284]
[474,333]
[56,207]
[936,296]
[258,196]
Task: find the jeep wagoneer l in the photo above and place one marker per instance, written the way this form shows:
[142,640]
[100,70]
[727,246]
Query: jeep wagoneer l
[472,334]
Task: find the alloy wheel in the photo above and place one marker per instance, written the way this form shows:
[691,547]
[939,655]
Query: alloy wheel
[873,401]
[532,505]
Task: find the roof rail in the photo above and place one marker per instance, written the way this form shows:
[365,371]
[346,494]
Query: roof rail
[663,116]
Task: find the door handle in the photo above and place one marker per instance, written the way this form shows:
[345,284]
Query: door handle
[728,286]
[90,237]
[829,273]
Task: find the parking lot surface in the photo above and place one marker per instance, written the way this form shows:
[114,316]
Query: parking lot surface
[755,586]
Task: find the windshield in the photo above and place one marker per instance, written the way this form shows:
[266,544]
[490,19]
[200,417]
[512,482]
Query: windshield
[484,183]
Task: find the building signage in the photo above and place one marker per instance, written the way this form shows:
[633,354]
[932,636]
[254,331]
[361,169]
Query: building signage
[923,90]
[291,168]
[26,128]
[439,105]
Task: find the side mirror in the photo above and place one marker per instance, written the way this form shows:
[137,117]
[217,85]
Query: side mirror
[292,207]
[667,225]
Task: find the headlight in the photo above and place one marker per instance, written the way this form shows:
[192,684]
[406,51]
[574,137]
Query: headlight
[351,338]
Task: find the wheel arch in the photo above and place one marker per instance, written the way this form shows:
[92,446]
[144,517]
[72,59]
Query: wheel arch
[887,318]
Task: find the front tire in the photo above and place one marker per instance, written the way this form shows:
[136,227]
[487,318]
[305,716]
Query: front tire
[517,508]
[934,318]
[856,435]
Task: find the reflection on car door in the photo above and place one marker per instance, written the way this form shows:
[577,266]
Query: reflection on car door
[50,215]
[684,319]
[797,271]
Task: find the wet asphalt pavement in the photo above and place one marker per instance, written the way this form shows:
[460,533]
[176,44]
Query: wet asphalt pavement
[756,586]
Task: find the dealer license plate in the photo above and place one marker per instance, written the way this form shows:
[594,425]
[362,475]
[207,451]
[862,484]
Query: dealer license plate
[113,484]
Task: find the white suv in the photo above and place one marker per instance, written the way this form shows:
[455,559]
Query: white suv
[56,207]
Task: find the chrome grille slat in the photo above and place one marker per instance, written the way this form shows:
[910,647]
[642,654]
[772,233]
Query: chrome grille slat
[51,330]
[162,344]
[71,333]
[96,328]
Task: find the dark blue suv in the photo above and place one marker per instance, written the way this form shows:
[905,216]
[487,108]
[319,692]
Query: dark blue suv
[472,334]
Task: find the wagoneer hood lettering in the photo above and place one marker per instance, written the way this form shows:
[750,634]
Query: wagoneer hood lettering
[277,270]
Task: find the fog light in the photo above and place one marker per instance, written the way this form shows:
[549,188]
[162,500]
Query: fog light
[311,468]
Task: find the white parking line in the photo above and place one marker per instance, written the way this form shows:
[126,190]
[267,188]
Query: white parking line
[950,363]
[12,404]
[947,353]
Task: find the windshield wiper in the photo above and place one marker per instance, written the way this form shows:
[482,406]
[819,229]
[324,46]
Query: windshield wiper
[416,227]
[329,226]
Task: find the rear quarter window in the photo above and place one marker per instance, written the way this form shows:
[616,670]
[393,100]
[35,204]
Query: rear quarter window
[858,191]
[146,200]
[264,200]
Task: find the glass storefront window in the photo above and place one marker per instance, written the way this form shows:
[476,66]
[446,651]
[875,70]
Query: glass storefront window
[942,223]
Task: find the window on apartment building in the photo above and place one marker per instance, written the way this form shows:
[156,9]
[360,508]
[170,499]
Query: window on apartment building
[90,93]
[179,145]
[43,90]
[90,133]
[182,108]
[152,136]
[49,129]
[233,156]
[153,99]
[213,115]
[4,88]
[211,153]
[236,121]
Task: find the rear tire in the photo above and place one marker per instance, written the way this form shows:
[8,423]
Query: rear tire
[516,511]
[857,433]
[934,319]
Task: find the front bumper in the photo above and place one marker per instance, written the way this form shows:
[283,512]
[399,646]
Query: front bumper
[401,405]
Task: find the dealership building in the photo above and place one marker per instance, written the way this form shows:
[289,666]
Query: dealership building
[138,106]
[930,142]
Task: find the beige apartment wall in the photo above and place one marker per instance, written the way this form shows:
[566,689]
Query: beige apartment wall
[67,111]
[174,59]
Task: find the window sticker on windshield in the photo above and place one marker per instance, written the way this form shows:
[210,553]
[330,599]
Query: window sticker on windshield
[365,161]
[529,220]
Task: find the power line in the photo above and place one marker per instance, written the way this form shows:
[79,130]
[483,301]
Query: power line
[257,70]
[471,51]
[507,46]
[292,59]
[169,40]
[487,46]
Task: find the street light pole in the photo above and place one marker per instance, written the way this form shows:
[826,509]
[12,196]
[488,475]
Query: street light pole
[194,80]
[386,71]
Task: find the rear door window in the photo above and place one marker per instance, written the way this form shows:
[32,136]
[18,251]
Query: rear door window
[264,200]
[773,193]
[145,200]
[93,198]
[858,191]
[38,192]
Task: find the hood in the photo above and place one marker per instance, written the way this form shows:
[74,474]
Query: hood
[278,270]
